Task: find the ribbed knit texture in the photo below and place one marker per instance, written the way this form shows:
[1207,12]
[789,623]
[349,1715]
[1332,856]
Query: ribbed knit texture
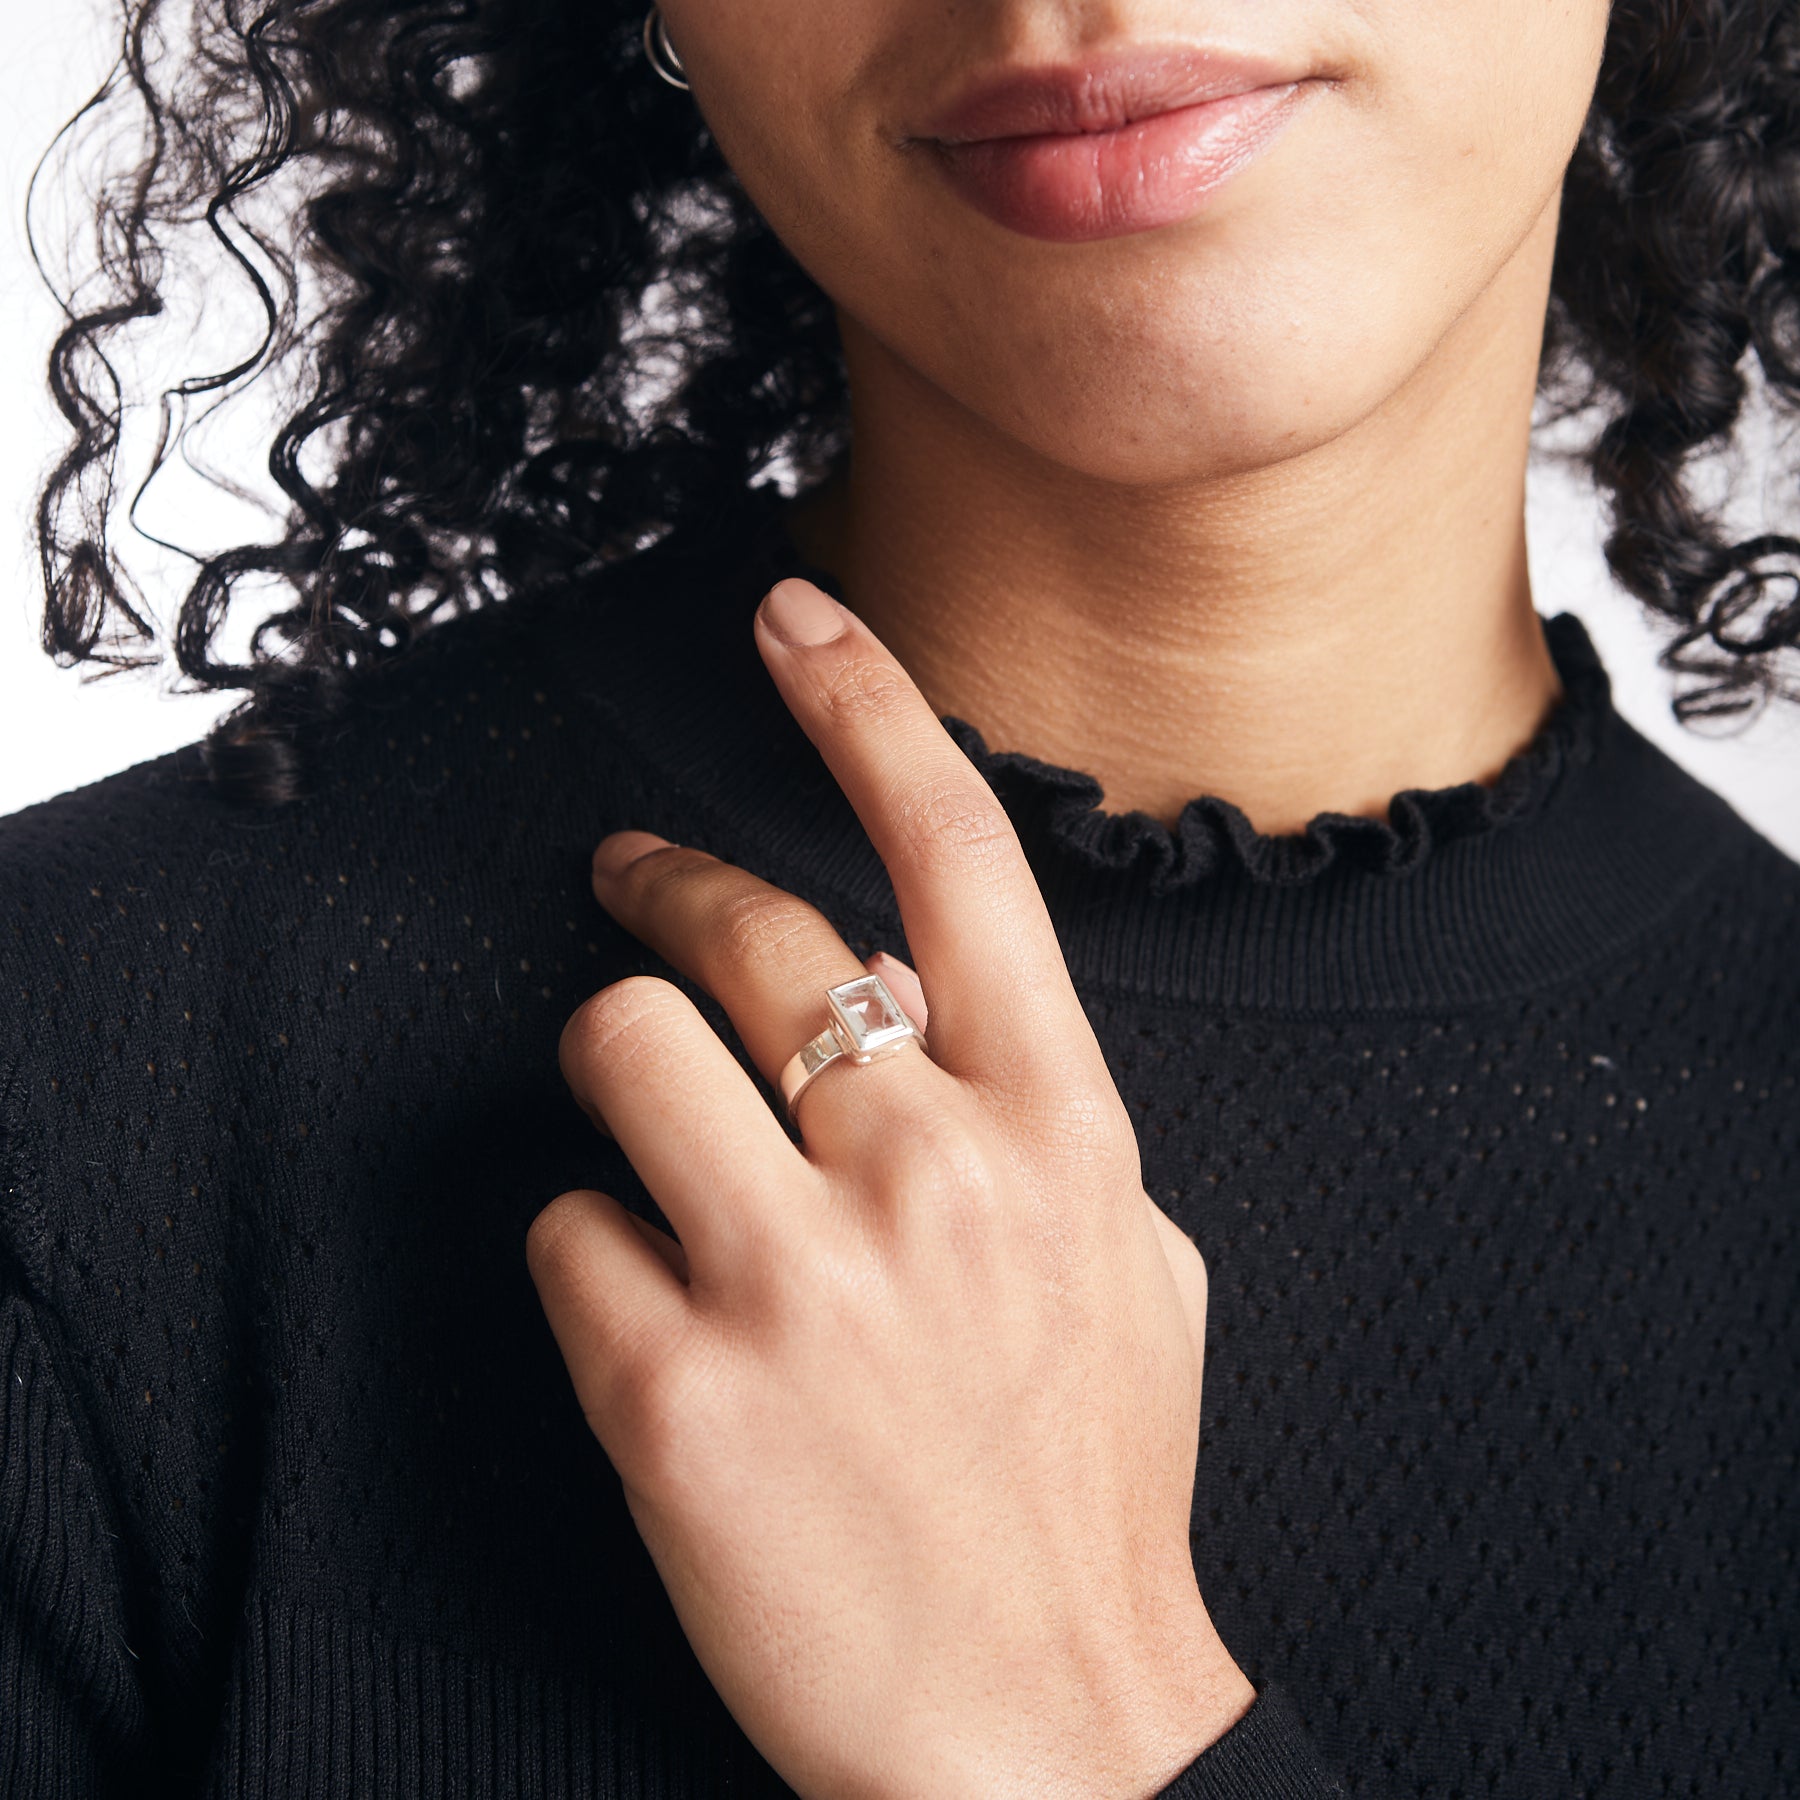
[1267,1752]
[1484,1116]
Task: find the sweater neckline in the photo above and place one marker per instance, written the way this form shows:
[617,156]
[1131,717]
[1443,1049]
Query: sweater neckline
[1588,838]
[1062,809]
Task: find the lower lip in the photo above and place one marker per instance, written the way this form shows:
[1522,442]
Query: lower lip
[1077,186]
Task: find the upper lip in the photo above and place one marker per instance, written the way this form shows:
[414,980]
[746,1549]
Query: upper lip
[1100,93]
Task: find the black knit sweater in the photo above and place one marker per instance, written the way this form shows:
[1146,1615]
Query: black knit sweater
[1485,1117]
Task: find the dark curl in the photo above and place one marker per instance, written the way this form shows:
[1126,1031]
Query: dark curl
[530,323]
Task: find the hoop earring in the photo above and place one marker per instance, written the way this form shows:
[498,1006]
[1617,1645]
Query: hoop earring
[662,55]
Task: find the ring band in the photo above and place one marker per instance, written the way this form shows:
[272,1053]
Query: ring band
[866,1022]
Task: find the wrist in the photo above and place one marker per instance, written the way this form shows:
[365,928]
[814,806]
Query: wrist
[1190,1692]
[1116,1719]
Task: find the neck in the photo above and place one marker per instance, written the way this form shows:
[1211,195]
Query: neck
[1313,636]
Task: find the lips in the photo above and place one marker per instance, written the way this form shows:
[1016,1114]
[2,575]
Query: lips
[1116,144]
[1100,94]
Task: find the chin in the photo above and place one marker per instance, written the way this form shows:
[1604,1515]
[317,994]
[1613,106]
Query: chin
[1184,366]
[1124,449]
[1199,410]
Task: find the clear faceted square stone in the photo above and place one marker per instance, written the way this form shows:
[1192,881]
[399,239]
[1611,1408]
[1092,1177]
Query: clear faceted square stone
[869,1015]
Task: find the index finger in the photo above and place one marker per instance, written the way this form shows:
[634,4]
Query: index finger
[984,946]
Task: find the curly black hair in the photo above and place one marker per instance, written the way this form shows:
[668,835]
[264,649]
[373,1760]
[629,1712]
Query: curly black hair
[531,323]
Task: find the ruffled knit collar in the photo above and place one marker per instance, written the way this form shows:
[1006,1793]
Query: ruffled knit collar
[1589,836]
[1058,811]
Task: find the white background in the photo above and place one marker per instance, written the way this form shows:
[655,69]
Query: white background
[58,730]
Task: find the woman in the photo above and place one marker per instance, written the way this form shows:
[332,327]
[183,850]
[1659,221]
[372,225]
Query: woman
[1142,683]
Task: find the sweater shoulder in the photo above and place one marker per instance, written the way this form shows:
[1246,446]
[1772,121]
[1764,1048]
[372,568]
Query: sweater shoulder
[163,948]
[1732,885]
[1751,887]
[1742,945]
[461,725]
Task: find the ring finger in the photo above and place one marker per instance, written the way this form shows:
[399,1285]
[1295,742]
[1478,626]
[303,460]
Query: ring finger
[764,954]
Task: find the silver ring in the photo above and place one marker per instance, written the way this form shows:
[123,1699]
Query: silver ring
[866,1022]
[661,52]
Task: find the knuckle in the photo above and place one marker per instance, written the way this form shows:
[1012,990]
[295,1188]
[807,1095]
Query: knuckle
[647,1402]
[613,1020]
[1085,1128]
[550,1238]
[951,825]
[662,1406]
[1098,1126]
[1092,1116]
[860,689]
[759,927]
[949,1168]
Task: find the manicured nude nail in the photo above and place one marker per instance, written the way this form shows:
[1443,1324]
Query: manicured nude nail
[799,613]
[620,849]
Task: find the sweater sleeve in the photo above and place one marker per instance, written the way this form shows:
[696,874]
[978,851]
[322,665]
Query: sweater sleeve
[1267,1755]
[73,1721]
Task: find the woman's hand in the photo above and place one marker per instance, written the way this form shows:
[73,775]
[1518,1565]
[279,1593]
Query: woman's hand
[908,1418]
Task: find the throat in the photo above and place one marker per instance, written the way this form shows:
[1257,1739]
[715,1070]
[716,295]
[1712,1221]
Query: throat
[1331,705]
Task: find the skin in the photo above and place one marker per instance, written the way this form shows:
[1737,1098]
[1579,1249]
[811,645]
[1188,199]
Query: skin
[1234,506]
[909,1416]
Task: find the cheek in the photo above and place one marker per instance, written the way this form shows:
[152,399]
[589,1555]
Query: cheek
[783,86]
[1491,101]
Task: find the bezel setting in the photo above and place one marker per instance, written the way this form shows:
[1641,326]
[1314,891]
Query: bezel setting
[867,1016]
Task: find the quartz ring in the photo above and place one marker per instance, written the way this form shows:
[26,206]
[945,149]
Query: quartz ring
[866,1022]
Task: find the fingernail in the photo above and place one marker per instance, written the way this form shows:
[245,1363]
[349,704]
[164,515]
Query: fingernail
[799,613]
[619,849]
